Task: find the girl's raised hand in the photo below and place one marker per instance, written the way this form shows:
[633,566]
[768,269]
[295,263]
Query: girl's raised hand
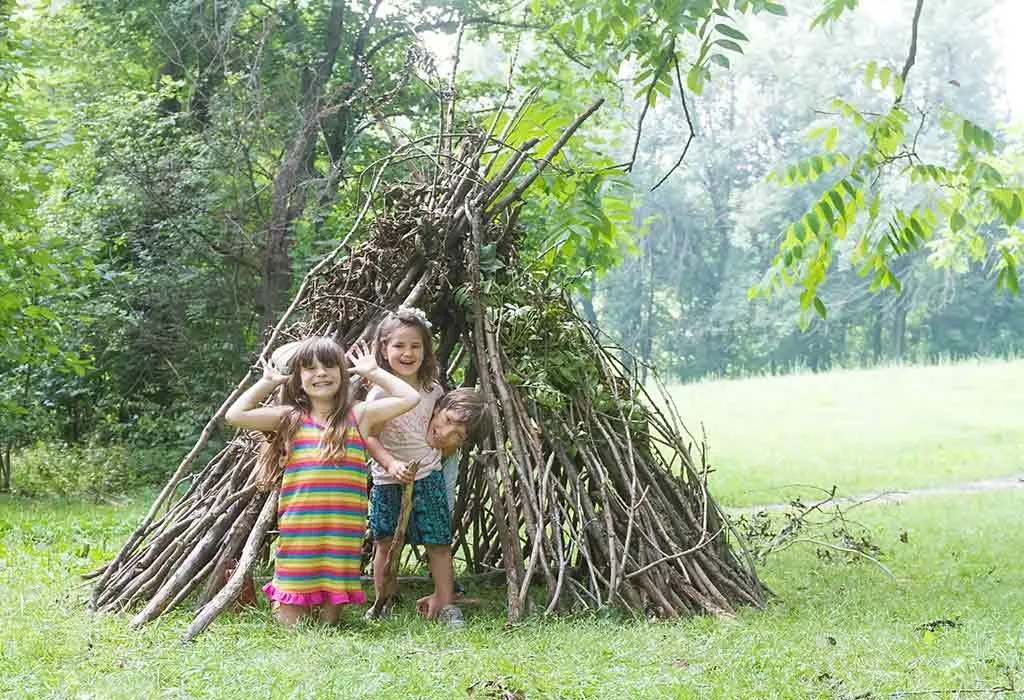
[271,374]
[361,358]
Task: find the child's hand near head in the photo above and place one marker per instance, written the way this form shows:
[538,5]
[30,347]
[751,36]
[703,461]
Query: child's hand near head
[362,359]
[273,375]
[316,459]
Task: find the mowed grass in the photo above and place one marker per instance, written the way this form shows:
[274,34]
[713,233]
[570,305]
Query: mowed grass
[835,630]
[861,430]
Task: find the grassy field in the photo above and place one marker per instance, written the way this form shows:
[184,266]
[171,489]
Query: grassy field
[860,430]
[834,629]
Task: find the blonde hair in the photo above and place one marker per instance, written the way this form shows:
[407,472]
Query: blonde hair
[274,455]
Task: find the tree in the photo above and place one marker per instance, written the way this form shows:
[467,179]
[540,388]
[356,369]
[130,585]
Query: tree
[580,482]
[38,274]
[750,121]
[968,200]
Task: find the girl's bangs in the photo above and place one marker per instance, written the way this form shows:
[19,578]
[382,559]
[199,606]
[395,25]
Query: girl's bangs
[322,350]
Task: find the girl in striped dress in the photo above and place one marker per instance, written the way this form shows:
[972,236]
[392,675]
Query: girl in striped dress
[317,454]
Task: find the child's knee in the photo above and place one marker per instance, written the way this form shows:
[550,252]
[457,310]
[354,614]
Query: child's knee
[288,615]
[439,550]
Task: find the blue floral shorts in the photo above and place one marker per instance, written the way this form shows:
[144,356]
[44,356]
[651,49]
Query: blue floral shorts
[430,521]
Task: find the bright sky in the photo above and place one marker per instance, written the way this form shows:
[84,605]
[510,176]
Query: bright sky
[1003,24]
[1011,22]
[1007,20]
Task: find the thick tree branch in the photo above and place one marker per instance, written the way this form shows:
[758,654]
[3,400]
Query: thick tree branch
[335,25]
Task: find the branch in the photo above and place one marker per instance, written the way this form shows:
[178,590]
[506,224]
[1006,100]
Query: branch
[647,102]
[689,122]
[840,548]
[544,161]
[917,134]
[953,692]
[335,26]
[702,542]
[364,32]
[568,53]
[444,25]
[913,49]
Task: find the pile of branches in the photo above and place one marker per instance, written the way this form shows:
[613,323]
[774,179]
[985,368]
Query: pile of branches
[581,483]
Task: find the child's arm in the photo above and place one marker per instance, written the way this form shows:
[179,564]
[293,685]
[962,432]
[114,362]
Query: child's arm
[246,411]
[397,469]
[401,395]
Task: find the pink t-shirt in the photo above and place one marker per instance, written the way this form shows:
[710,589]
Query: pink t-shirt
[405,437]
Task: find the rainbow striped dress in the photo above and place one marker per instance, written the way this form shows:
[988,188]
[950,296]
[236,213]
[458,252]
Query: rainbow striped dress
[321,516]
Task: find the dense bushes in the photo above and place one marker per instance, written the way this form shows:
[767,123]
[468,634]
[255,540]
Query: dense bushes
[89,471]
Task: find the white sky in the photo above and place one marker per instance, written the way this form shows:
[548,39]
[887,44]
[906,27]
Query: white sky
[1011,46]
[1007,20]
[1004,24]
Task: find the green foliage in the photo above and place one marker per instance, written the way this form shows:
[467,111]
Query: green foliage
[833,10]
[662,40]
[551,353]
[585,223]
[142,143]
[42,275]
[93,472]
[578,217]
[169,317]
[966,201]
[716,225]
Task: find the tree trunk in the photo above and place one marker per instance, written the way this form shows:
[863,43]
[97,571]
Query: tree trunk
[289,196]
[624,518]
[5,467]
[587,301]
[876,337]
[899,331]
[645,341]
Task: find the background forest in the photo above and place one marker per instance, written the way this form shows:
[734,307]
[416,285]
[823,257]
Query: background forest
[172,168]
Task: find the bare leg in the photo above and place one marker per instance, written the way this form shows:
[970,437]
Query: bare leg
[330,614]
[381,548]
[288,615]
[440,561]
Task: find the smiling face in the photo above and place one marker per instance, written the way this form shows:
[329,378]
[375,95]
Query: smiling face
[320,381]
[318,374]
[445,431]
[404,352]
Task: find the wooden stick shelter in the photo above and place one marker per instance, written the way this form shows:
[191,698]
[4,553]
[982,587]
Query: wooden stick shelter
[583,492]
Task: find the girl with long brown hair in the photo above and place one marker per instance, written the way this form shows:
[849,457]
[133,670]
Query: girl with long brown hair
[317,456]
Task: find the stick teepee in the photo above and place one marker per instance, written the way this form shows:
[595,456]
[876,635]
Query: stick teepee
[583,492]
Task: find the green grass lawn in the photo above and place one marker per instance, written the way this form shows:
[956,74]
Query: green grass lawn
[861,430]
[835,629]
